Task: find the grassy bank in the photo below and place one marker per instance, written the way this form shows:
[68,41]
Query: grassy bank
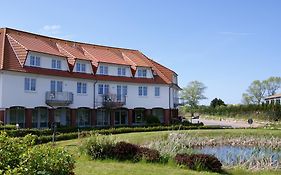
[86,166]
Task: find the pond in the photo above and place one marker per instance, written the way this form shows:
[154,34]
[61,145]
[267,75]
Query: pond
[249,156]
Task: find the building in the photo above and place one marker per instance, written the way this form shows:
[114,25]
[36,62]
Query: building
[45,80]
[273,99]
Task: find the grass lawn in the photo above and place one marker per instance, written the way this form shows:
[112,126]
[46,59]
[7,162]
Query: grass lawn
[86,166]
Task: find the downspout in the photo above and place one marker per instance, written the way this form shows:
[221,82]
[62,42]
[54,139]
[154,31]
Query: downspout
[95,93]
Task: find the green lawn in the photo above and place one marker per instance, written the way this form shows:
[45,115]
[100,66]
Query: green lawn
[86,166]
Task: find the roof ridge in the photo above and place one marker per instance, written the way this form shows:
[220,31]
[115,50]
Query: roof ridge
[65,40]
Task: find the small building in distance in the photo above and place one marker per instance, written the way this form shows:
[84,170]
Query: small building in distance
[273,99]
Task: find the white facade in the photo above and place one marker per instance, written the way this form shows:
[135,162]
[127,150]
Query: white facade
[12,92]
[113,69]
[88,66]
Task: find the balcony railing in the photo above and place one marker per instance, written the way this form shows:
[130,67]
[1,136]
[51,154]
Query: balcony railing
[179,102]
[59,98]
[113,100]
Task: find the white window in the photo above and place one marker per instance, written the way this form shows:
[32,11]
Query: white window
[30,84]
[157,91]
[80,67]
[56,86]
[56,64]
[121,71]
[103,89]
[142,73]
[81,88]
[142,91]
[103,70]
[34,61]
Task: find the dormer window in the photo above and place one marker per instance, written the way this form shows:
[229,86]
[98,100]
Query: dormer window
[142,73]
[34,61]
[103,70]
[80,67]
[121,71]
[56,64]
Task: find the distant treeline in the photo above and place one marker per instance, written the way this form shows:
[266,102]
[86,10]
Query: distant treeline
[263,111]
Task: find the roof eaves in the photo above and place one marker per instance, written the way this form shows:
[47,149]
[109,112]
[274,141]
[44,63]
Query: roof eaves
[3,49]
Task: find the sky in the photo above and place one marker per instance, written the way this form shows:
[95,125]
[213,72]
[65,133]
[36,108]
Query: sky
[225,44]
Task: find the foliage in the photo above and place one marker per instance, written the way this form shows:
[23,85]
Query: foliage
[46,159]
[148,155]
[217,102]
[152,120]
[11,148]
[193,92]
[126,151]
[199,162]
[99,147]
[259,89]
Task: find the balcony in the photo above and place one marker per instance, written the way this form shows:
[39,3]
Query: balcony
[179,102]
[113,100]
[59,98]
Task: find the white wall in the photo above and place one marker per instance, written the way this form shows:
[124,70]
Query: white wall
[46,60]
[13,93]
[113,69]
[148,72]
[89,68]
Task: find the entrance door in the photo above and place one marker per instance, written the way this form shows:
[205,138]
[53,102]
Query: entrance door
[121,117]
[103,118]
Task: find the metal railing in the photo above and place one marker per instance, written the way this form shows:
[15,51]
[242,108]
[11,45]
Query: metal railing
[113,100]
[59,98]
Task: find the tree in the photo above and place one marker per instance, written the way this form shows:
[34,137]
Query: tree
[255,92]
[217,102]
[272,84]
[193,92]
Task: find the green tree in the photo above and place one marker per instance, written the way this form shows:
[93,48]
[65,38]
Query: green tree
[193,93]
[217,102]
[255,92]
[272,84]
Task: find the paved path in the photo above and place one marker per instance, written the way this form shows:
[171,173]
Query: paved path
[229,123]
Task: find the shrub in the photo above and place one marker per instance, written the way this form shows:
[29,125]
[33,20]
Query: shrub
[98,147]
[199,162]
[148,155]
[11,149]
[46,159]
[126,151]
[152,120]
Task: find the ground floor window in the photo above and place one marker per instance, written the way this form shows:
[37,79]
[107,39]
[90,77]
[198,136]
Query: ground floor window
[159,113]
[40,118]
[103,118]
[83,118]
[17,116]
[62,117]
[121,117]
[138,116]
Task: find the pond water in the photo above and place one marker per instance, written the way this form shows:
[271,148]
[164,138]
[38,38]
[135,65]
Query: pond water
[237,155]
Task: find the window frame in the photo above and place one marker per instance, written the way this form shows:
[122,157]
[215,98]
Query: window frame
[29,84]
[56,64]
[34,61]
[83,88]
[143,91]
[103,70]
[157,91]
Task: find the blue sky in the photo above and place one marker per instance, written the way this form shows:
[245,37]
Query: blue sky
[226,44]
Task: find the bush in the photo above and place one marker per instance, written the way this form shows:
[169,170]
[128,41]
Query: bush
[11,149]
[199,162]
[126,151]
[148,155]
[152,120]
[98,147]
[46,159]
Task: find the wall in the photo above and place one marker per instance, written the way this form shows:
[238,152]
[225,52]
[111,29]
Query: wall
[89,69]
[13,93]
[113,69]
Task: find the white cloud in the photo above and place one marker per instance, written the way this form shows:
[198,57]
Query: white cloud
[52,29]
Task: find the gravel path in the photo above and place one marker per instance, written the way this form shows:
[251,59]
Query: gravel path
[229,123]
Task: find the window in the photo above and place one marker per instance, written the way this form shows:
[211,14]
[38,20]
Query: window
[121,71]
[34,61]
[157,91]
[56,86]
[142,91]
[121,92]
[142,73]
[103,89]
[56,64]
[81,88]
[30,84]
[103,70]
[80,67]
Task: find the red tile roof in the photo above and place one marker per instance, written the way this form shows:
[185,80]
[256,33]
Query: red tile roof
[15,45]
